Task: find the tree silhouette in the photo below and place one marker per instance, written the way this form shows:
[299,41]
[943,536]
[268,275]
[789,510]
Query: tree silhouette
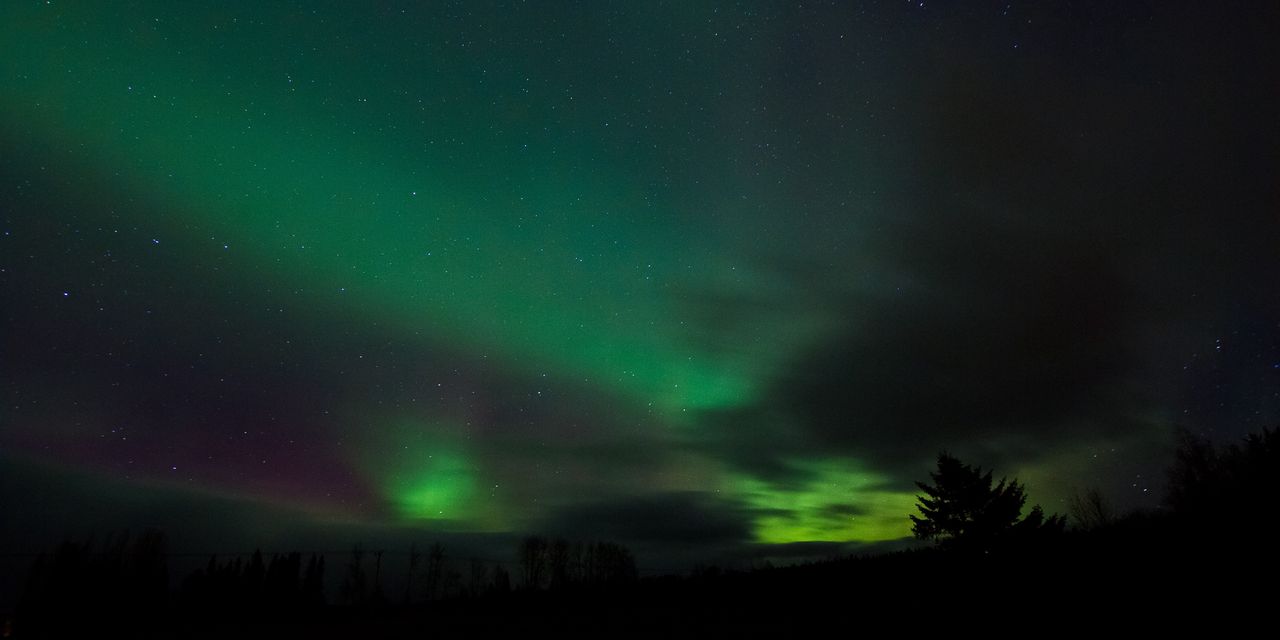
[83,588]
[1209,482]
[533,559]
[355,588]
[414,559]
[313,582]
[558,560]
[435,570]
[963,510]
[1091,510]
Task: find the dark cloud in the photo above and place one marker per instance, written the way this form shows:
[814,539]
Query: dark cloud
[1056,254]
[999,340]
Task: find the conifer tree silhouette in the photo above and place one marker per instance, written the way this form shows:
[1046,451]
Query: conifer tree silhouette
[963,510]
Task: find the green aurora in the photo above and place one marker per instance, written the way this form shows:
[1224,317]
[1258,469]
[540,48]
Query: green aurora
[488,267]
[416,184]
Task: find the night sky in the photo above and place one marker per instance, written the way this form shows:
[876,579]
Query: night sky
[709,279]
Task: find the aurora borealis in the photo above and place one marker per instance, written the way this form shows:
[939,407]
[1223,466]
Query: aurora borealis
[697,277]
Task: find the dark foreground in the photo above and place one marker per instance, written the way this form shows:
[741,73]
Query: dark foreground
[1141,573]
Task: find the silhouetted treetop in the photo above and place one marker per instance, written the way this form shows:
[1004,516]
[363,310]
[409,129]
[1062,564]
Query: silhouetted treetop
[1207,481]
[963,509]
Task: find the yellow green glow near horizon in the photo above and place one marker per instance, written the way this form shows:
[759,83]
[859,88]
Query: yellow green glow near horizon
[837,503]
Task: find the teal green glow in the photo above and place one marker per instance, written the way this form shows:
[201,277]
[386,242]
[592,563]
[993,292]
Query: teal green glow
[527,254]
[440,490]
[471,207]
[427,474]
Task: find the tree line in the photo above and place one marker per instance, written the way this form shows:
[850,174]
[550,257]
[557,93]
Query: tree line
[557,563]
[963,509]
[1218,504]
[124,578]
